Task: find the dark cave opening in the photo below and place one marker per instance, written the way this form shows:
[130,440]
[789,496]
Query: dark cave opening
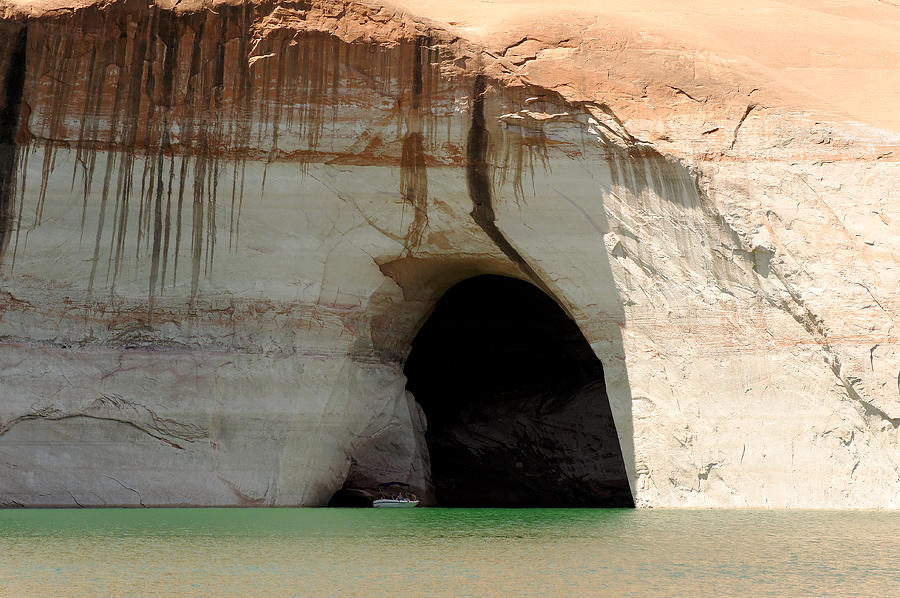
[516,402]
[350,498]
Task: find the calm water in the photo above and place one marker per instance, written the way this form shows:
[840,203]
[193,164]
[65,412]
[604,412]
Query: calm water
[446,552]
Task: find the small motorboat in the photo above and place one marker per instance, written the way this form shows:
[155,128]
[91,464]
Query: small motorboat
[395,495]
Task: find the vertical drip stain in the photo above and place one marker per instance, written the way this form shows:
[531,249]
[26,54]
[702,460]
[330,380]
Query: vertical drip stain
[212,175]
[176,105]
[168,225]
[13,86]
[197,221]
[413,172]
[242,113]
[120,210]
[157,232]
[187,139]
[89,127]
[166,37]
[21,157]
[60,93]
[478,181]
[213,183]
[120,60]
[139,62]
[120,227]
[523,148]
[240,134]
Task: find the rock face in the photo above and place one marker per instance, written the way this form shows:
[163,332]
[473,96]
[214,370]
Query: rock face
[223,224]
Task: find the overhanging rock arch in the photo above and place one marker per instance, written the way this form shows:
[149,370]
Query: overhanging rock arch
[516,401]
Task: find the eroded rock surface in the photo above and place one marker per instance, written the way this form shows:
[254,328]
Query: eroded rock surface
[222,224]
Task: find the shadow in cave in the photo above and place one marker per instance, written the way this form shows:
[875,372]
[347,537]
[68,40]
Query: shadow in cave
[516,402]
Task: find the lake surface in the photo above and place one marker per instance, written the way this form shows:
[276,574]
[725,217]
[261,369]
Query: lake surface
[447,552]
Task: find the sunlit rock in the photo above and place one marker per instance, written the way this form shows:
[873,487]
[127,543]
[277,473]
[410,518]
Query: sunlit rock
[223,224]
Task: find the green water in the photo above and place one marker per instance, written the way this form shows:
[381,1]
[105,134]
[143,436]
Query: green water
[447,552]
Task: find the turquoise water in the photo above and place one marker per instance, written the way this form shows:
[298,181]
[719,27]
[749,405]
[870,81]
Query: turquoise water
[447,552]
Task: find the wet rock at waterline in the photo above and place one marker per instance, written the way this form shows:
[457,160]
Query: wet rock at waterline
[223,224]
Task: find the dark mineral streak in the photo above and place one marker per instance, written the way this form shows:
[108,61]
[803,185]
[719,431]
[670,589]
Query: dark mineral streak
[413,174]
[178,103]
[478,179]
[13,86]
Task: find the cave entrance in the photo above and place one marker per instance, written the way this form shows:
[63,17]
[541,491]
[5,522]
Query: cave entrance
[516,402]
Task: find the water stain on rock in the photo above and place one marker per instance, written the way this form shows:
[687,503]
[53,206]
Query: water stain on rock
[157,110]
[479,182]
[413,174]
[13,86]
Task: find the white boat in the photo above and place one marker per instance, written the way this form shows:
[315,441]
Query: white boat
[394,503]
[395,495]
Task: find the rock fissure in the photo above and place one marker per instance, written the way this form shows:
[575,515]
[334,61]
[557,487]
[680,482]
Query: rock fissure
[165,430]
[740,123]
[127,487]
[813,325]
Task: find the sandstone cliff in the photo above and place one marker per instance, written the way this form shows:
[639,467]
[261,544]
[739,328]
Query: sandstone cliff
[222,224]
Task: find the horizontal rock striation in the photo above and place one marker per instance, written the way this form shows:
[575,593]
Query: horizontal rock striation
[223,223]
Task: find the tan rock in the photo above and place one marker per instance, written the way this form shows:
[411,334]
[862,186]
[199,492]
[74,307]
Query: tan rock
[223,223]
